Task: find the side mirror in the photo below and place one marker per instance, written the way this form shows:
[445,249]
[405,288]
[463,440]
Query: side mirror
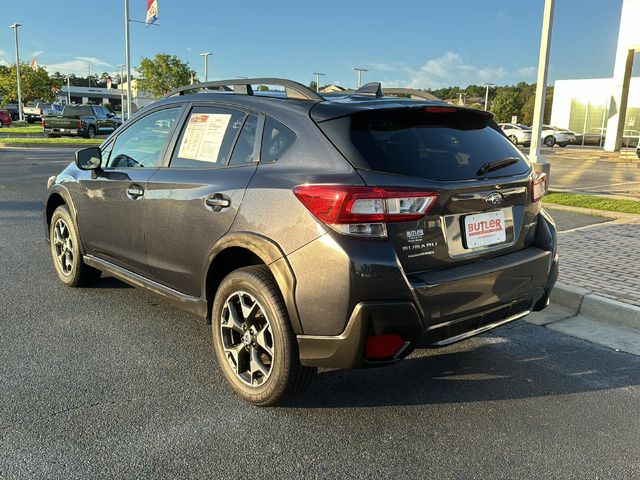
[89,158]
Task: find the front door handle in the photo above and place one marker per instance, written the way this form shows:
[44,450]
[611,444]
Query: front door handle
[135,191]
[217,202]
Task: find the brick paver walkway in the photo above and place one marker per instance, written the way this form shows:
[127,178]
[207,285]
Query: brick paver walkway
[604,258]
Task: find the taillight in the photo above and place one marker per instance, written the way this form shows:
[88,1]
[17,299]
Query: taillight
[538,187]
[79,124]
[439,109]
[43,124]
[363,211]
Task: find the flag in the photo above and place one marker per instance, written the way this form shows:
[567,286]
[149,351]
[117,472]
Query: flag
[34,64]
[109,82]
[152,12]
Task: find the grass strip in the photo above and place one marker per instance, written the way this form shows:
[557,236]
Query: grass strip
[52,141]
[594,202]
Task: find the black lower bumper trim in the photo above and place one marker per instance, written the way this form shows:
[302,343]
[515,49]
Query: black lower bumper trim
[368,318]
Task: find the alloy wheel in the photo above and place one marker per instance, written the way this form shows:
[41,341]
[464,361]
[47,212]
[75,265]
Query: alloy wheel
[63,245]
[247,339]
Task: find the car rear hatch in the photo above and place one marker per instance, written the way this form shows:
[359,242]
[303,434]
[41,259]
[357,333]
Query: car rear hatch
[484,207]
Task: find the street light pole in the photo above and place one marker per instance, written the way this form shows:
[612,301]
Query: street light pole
[541,87]
[15,29]
[360,70]
[121,73]
[206,65]
[68,89]
[486,96]
[318,80]
[127,47]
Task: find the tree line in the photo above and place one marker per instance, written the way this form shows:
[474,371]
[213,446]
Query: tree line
[505,101]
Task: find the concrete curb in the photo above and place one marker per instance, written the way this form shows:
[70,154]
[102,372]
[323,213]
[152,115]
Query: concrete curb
[601,309]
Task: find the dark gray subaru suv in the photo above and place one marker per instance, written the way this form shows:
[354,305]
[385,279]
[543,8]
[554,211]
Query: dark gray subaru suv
[311,232]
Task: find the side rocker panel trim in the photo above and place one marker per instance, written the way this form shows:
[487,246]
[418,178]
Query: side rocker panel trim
[191,304]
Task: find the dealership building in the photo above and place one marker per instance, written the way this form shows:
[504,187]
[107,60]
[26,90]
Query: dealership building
[583,106]
[105,96]
[609,107]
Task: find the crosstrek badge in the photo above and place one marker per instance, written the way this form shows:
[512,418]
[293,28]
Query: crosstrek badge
[484,229]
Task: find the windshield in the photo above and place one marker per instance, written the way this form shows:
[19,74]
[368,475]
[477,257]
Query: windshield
[449,145]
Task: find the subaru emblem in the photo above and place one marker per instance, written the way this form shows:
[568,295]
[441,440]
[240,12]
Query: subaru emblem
[494,199]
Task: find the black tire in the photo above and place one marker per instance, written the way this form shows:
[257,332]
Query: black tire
[550,141]
[286,377]
[30,120]
[67,254]
[91,132]
[1,124]
[513,139]
[562,144]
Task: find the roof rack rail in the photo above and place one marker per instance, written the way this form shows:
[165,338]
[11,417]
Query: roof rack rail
[242,86]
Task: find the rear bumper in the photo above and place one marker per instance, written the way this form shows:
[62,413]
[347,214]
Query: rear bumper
[70,132]
[446,306]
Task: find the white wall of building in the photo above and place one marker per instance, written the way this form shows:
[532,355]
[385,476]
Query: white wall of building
[596,91]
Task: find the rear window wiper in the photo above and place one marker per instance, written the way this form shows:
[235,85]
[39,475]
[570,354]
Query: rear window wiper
[497,165]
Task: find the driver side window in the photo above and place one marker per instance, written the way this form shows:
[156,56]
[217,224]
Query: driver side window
[141,145]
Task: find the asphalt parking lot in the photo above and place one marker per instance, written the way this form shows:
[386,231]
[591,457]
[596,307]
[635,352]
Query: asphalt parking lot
[109,382]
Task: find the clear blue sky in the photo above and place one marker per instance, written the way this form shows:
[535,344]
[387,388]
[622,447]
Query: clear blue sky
[417,43]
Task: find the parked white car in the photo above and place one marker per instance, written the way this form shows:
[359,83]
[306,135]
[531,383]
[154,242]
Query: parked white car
[557,136]
[519,134]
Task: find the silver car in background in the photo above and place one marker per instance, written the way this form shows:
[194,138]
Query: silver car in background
[557,136]
[518,134]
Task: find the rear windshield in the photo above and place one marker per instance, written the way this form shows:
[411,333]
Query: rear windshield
[77,110]
[447,145]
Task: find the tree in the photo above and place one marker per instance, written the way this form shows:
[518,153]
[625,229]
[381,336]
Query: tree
[36,84]
[163,73]
[263,88]
[506,103]
[313,85]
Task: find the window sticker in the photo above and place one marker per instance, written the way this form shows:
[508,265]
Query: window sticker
[203,137]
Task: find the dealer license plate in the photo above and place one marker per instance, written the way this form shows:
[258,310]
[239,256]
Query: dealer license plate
[484,229]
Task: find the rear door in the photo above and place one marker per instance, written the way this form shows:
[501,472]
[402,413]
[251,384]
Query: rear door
[482,180]
[111,202]
[192,201]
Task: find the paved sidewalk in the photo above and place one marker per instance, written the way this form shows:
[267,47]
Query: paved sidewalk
[604,258]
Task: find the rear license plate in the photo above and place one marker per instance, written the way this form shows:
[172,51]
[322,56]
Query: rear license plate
[484,229]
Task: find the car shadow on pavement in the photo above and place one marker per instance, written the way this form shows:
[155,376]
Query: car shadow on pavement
[110,282]
[527,362]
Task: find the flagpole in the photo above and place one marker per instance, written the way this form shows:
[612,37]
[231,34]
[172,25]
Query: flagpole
[127,46]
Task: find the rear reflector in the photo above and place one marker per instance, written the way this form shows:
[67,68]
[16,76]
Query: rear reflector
[382,346]
[538,187]
[363,211]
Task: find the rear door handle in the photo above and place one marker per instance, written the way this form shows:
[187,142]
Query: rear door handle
[135,191]
[217,202]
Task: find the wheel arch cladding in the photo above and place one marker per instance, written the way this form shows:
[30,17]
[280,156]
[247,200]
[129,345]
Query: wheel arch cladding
[242,249]
[54,201]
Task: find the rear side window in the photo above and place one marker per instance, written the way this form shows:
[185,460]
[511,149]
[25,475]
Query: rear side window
[207,138]
[245,148]
[276,140]
[447,145]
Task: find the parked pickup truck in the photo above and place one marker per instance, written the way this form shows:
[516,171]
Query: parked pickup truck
[35,111]
[81,120]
